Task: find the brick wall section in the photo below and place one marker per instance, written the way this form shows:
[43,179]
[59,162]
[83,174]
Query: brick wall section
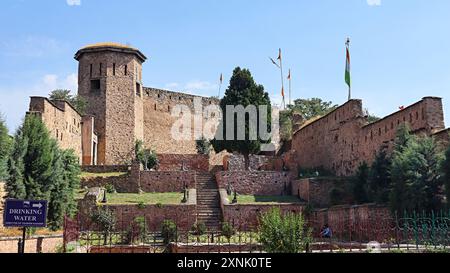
[316,191]
[36,244]
[443,138]
[236,162]
[62,121]
[342,139]
[342,218]
[122,184]
[256,183]
[105,168]
[192,162]
[182,215]
[246,217]
[166,181]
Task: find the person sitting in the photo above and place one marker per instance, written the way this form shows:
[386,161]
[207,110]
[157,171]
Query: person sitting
[326,232]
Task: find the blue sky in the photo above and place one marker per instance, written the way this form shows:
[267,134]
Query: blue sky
[400,48]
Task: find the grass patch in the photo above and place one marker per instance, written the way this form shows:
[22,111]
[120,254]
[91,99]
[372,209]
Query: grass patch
[263,200]
[94,175]
[80,193]
[167,198]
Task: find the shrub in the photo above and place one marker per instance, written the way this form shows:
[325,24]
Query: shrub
[199,228]
[110,188]
[169,231]
[203,146]
[284,233]
[141,205]
[106,221]
[227,230]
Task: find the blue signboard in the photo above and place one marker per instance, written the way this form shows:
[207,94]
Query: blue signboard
[25,213]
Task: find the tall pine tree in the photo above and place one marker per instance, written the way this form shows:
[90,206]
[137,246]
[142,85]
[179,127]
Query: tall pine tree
[360,184]
[380,178]
[38,169]
[5,146]
[446,175]
[242,91]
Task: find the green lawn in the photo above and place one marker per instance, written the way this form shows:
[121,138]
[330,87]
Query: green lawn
[259,199]
[94,175]
[167,198]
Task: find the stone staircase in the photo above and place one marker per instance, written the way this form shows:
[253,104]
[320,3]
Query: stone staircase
[208,202]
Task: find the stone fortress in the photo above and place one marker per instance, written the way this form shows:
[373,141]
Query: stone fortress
[120,109]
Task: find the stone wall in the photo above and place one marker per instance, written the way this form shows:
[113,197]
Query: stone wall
[173,181]
[62,121]
[342,139]
[183,215]
[122,183]
[443,138]
[255,183]
[36,244]
[343,218]
[159,121]
[236,162]
[316,191]
[105,168]
[186,162]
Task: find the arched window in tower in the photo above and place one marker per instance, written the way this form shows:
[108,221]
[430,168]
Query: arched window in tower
[114,69]
[126,70]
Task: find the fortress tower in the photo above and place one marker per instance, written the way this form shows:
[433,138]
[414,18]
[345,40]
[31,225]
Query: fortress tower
[110,79]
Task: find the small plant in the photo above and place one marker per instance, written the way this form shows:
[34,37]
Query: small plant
[286,233]
[110,188]
[141,205]
[159,205]
[106,221]
[199,228]
[169,231]
[227,230]
[146,157]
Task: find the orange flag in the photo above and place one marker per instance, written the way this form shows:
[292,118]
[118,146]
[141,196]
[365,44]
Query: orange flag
[279,55]
[282,92]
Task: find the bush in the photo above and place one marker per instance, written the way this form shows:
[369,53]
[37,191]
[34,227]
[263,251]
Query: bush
[336,196]
[141,205]
[203,146]
[227,230]
[146,157]
[169,231]
[110,188]
[284,233]
[106,221]
[199,228]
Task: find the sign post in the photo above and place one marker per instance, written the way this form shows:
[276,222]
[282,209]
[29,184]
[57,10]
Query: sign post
[25,213]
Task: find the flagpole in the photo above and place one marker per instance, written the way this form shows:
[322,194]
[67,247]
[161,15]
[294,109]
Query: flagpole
[350,85]
[220,85]
[290,79]
[282,78]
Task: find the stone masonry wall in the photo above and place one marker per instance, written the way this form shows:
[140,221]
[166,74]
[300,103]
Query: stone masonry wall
[192,162]
[316,191]
[62,121]
[172,181]
[105,168]
[256,183]
[183,215]
[246,217]
[158,120]
[342,139]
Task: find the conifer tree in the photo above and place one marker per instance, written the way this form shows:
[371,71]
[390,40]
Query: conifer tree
[5,146]
[360,184]
[446,175]
[244,91]
[379,178]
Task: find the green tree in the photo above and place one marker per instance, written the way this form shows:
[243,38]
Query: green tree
[78,102]
[242,91]
[415,176]
[146,157]
[360,184]
[106,221]
[38,169]
[310,108]
[446,174]
[286,125]
[5,147]
[380,178]
[286,233]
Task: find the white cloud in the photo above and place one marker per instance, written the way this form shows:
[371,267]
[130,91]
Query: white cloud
[374,2]
[73,2]
[14,100]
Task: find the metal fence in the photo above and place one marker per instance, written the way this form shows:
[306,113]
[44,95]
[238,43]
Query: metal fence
[410,232]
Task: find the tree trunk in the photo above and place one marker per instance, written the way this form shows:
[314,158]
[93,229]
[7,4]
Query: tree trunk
[247,161]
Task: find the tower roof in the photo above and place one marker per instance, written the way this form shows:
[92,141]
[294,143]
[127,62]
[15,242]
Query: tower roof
[109,46]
